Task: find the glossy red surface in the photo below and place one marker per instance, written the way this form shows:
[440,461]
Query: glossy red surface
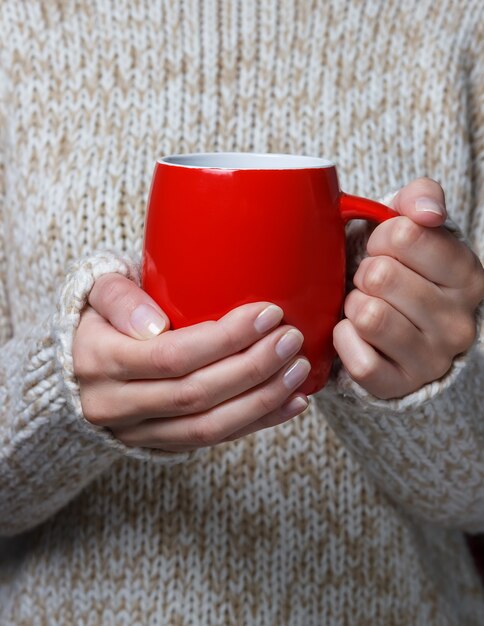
[219,238]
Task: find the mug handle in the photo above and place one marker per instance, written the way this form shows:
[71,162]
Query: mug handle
[357,208]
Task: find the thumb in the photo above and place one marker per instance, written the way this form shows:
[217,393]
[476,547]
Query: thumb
[127,307]
[422,201]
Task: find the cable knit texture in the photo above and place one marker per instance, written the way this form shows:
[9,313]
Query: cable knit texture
[351,513]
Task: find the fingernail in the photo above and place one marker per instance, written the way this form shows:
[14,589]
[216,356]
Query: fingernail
[429,205]
[297,373]
[295,406]
[268,318]
[147,321]
[289,343]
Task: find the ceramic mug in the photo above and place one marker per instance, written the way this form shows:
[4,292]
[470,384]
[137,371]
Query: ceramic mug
[225,229]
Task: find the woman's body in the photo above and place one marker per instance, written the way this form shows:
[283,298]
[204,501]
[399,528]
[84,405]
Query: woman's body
[284,526]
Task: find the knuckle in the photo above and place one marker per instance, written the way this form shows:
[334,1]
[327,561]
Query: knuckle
[469,333]
[230,339]
[83,362]
[87,362]
[441,366]
[464,333]
[97,353]
[351,301]
[269,400]
[118,360]
[254,370]
[405,232]
[205,432]
[377,277]
[111,290]
[95,409]
[476,277]
[363,370]
[370,317]
[191,397]
[169,359]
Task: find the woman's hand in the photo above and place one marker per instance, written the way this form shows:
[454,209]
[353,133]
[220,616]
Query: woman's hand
[413,308]
[188,388]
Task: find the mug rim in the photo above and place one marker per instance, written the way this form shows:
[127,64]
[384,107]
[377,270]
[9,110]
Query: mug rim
[245,161]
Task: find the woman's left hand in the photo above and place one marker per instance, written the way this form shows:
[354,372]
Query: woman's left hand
[413,307]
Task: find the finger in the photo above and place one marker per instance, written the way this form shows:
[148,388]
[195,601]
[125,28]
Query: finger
[292,408]
[369,369]
[127,307]
[390,332]
[434,253]
[423,201]
[419,300]
[213,426]
[211,385]
[179,352]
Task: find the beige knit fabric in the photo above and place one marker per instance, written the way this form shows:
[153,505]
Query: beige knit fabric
[351,514]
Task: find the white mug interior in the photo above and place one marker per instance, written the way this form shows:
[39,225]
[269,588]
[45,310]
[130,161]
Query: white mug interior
[245,161]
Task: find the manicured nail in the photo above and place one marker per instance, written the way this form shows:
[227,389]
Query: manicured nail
[295,406]
[268,318]
[147,321]
[297,373]
[289,343]
[429,205]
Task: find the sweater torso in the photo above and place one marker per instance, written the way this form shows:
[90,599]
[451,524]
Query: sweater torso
[283,526]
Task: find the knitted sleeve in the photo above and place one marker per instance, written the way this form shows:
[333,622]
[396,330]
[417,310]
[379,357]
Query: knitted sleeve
[48,451]
[426,450]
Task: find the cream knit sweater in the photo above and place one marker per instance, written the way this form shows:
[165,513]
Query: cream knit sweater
[352,513]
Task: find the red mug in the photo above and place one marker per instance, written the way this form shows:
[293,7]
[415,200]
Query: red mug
[225,229]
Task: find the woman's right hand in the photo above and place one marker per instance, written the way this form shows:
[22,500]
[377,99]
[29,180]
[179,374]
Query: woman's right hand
[184,389]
